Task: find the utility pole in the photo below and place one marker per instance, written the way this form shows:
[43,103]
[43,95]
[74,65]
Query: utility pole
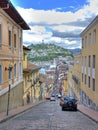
[8,101]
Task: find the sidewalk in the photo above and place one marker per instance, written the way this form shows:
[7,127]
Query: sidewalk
[14,112]
[88,112]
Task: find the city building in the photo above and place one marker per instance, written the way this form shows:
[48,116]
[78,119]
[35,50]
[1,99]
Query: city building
[31,86]
[65,82]
[11,56]
[89,66]
[44,87]
[74,77]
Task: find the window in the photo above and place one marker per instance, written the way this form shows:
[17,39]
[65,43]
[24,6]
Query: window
[20,44]
[94,36]
[9,39]
[15,41]
[0,36]
[20,40]
[82,43]
[82,77]
[10,74]
[20,69]
[93,62]
[89,81]
[93,84]
[89,40]
[0,74]
[85,65]
[85,61]
[85,41]
[89,61]
[15,70]
[85,78]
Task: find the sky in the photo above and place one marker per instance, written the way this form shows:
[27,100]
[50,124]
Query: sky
[56,21]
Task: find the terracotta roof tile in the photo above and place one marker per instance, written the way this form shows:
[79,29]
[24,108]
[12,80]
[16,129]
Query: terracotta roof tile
[31,67]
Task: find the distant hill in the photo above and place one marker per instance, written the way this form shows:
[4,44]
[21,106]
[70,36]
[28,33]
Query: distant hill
[46,52]
[76,50]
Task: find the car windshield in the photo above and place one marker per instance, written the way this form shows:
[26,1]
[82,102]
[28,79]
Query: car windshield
[68,98]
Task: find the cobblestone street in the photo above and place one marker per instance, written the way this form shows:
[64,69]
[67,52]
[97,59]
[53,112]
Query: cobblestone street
[49,116]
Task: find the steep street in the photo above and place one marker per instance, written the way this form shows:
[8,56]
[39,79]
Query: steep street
[49,116]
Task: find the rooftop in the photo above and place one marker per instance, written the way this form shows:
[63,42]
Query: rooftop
[8,8]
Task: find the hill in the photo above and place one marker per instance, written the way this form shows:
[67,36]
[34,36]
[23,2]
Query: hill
[46,52]
[74,51]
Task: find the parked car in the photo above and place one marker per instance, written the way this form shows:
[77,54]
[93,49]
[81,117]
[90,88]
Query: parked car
[59,96]
[47,97]
[68,103]
[52,98]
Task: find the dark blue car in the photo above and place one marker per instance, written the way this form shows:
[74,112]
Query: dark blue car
[68,103]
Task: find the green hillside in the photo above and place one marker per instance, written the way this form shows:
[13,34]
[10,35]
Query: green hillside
[46,52]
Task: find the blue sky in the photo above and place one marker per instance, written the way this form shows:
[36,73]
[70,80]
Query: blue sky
[64,5]
[56,21]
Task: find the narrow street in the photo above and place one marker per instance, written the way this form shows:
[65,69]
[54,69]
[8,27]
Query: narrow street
[49,116]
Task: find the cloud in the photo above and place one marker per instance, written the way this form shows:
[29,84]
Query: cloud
[62,28]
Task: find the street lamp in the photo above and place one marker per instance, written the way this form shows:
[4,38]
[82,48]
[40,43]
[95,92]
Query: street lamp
[9,69]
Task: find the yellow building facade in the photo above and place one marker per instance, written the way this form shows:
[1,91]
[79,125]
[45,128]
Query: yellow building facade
[89,66]
[65,86]
[31,85]
[74,77]
[11,78]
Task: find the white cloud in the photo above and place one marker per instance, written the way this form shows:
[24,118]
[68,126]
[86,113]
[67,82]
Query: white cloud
[38,30]
[47,25]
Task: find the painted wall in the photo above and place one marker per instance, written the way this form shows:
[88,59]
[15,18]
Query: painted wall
[9,56]
[90,48]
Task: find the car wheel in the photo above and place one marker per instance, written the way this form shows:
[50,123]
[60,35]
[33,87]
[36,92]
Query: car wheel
[62,109]
[75,109]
